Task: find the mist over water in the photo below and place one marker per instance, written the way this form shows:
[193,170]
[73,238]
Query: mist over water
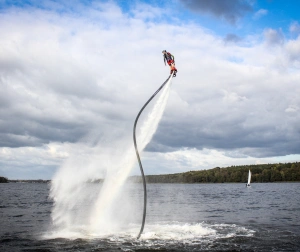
[81,209]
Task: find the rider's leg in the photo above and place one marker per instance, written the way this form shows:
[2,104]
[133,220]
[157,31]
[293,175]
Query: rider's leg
[171,68]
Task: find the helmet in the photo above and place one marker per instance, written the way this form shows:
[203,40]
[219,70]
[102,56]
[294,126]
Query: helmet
[164,51]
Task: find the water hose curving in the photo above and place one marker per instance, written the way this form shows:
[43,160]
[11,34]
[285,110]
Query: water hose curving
[138,156]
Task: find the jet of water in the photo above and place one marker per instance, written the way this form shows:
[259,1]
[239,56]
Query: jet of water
[78,207]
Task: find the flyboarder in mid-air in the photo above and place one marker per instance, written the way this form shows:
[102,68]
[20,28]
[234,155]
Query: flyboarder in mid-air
[169,58]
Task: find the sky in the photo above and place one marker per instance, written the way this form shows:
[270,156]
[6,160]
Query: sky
[74,74]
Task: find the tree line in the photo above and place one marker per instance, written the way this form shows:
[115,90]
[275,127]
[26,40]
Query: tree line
[3,180]
[261,173]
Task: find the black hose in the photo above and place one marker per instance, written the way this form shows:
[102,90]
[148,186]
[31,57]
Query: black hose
[138,156]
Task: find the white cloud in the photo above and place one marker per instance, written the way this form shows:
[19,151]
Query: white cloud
[295,27]
[260,13]
[233,97]
[292,49]
[192,159]
[292,109]
[273,37]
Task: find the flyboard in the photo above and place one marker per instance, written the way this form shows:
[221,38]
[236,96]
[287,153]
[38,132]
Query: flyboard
[173,74]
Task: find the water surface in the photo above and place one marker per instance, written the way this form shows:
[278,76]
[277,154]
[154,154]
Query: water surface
[180,217]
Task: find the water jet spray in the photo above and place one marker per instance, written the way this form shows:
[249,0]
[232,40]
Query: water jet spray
[78,209]
[138,156]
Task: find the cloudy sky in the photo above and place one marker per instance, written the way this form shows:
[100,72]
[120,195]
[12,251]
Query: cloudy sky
[73,72]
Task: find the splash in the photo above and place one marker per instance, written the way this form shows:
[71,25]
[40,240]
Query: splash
[167,234]
[79,206]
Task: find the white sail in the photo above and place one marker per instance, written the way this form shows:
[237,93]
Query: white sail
[249,178]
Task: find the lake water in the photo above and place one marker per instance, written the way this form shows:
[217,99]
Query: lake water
[180,217]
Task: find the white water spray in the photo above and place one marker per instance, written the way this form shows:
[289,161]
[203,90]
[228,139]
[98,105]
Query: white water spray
[79,209]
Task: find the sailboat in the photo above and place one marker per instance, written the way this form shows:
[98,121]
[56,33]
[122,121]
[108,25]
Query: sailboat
[249,179]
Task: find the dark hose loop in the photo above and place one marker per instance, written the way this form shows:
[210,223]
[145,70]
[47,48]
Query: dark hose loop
[138,156]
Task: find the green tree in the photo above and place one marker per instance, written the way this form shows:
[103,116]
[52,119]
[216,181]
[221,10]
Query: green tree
[3,180]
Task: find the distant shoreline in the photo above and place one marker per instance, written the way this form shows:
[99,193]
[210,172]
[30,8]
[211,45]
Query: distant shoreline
[29,181]
[38,181]
[262,173]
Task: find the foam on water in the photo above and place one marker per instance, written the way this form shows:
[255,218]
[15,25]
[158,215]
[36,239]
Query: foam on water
[165,233]
[177,231]
[79,210]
